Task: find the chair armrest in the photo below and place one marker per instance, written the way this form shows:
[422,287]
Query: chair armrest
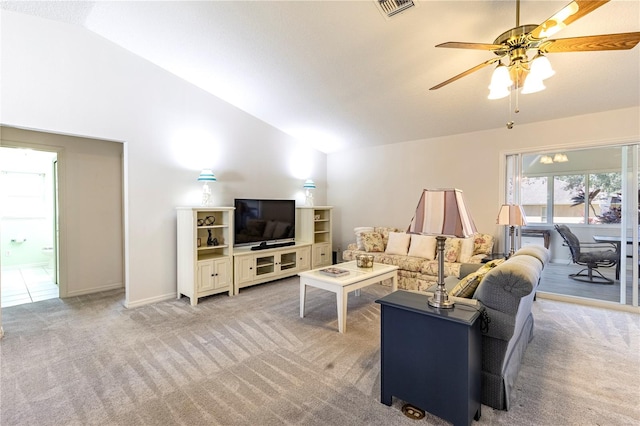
[590,245]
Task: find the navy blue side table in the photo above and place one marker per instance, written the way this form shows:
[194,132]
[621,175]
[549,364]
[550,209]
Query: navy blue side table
[431,358]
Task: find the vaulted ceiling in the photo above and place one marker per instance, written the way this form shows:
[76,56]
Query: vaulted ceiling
[338,74]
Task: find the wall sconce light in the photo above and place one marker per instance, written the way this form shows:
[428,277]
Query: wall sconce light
[206,176]
[309,186]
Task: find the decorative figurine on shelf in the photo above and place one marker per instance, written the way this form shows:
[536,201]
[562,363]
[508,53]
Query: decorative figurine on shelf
[211,241]
[215,241]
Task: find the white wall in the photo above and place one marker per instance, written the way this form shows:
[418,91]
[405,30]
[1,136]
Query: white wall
[381,186]
[63,79]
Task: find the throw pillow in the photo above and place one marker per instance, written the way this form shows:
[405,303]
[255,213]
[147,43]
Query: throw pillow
[372,242]
[384,232]
[451,250]
[466,249]
[483,244]
[467,286]
[398,243]
[358,231]
[423,246]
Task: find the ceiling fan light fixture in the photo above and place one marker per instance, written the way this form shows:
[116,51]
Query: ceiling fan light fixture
[532,84]
[500,77]
[498,92]
[500,82]
[541,67]
[560,158]
[545,159]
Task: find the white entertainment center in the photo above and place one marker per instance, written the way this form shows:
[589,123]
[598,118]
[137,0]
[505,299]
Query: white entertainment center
[208,262]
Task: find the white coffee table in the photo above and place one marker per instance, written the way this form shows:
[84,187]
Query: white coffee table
[342,286]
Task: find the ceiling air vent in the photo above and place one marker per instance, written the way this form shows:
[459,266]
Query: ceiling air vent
[390,8]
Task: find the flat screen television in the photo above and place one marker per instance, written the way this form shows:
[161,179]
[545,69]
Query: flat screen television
[264,221]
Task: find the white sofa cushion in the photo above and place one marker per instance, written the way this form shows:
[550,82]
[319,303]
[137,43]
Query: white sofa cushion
[466,249]
[423,246]
[398,243]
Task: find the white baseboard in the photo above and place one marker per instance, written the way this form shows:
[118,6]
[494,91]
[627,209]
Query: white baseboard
[92,290]
[138,303]
[588,302]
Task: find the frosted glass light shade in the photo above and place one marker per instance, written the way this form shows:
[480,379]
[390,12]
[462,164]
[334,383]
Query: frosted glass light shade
[501,77]
[541,67]
[560,158]
[532,85]
[500,83]
[498,92]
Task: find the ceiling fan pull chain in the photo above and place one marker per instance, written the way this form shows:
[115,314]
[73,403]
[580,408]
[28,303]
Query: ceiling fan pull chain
[510,122]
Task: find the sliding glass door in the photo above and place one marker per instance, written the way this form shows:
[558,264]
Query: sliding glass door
[594,192]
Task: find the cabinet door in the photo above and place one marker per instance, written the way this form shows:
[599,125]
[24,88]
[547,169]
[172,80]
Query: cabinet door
[245,269]
[321,255]
[265,266]
[222,277]
[288,261]
[304,258]
[205,277]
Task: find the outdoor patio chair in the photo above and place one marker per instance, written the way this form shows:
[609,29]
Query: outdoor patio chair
[589,254]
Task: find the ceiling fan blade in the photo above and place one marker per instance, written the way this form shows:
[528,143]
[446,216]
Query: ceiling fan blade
[622,41]
[477,46]
[467,72]
[568,14]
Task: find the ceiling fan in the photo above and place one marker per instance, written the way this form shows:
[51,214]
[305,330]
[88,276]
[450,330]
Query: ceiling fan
[515,44]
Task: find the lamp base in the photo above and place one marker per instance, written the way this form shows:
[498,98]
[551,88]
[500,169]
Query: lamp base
[207,200]
[308,201]
[440,300]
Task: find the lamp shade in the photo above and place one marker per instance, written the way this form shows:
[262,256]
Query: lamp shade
[207,175]
[532,84]
[309,184]
[541,67]
[560,158]
[442,212]
[511,214]
[500,77]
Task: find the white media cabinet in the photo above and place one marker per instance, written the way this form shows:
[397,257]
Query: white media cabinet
[252,267]
[204,270]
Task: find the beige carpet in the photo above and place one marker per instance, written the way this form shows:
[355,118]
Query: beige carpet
[250,360]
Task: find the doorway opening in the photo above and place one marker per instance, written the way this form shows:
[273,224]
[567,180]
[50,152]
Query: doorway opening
[28,218]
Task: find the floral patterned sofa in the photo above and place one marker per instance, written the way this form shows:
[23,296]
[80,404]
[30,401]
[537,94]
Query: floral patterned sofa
[415,255]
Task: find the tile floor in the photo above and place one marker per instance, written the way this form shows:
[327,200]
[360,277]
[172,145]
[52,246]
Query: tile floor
[27,285]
